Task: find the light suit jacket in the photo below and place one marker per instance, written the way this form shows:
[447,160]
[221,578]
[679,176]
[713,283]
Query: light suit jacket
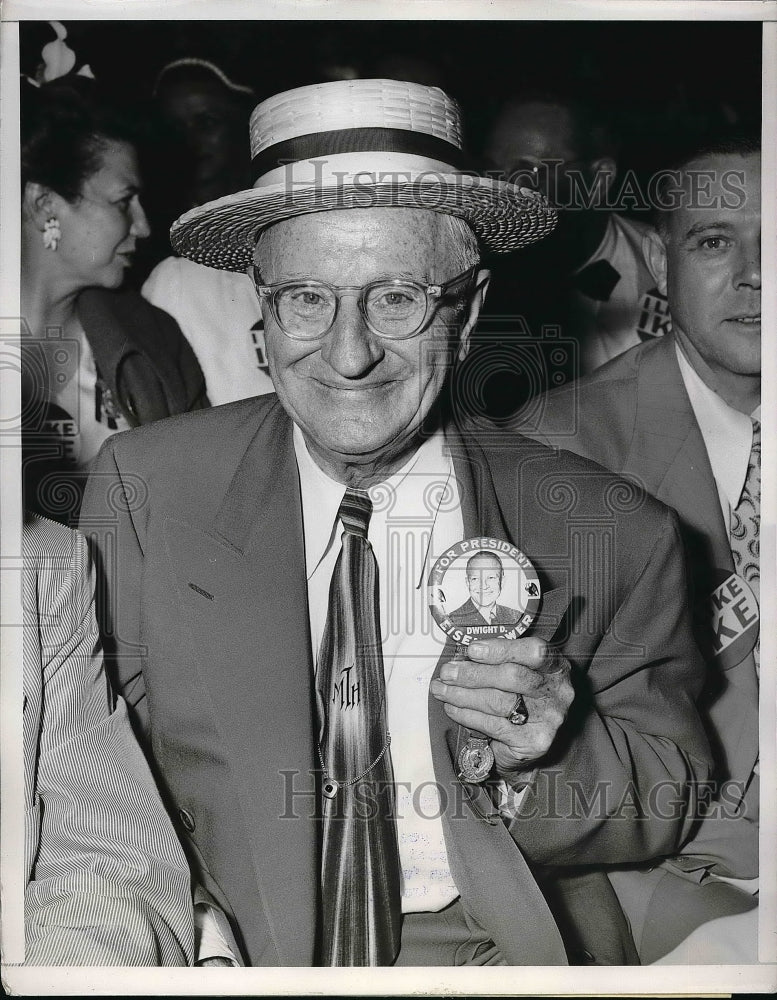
[106,880]
[199,525]
[634,416]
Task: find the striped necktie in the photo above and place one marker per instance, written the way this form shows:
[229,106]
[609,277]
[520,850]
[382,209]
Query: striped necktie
[746,526]
[360,880]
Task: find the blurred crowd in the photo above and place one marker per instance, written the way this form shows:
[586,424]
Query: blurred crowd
[562,111]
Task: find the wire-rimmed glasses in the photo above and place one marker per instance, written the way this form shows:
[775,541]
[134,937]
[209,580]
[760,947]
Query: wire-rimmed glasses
[394,308]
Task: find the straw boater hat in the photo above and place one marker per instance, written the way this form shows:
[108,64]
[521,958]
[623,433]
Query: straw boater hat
[358,144]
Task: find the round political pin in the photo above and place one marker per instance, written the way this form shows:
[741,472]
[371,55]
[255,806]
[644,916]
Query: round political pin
[735,620]
[483,588]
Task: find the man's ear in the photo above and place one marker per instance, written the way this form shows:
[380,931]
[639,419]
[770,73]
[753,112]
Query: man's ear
[476,301]
[38,203]
[654,249]
[251,277]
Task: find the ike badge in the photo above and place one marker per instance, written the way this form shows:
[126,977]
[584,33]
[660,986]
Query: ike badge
[482,588]
[735,620]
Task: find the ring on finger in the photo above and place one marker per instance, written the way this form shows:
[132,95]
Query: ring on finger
[519,713]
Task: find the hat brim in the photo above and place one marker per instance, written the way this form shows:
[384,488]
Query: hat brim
[223,233]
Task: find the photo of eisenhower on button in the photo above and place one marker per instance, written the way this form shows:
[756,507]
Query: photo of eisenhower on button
[484,574]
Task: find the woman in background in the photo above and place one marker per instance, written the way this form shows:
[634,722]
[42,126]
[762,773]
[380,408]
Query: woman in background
[95,359]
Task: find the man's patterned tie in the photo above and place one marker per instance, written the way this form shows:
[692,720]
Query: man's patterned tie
[746,526]
[360,880]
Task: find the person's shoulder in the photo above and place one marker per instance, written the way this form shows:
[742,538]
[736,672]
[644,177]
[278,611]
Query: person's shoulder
[560,481]
[225,424]
[46,542]
[597,388]
[58,559]
[463,614]
[173,274]
[40,536]
[628,224]
[145,322]
[172,268]
[593,412]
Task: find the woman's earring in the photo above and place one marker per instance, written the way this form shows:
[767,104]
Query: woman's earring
[51,233]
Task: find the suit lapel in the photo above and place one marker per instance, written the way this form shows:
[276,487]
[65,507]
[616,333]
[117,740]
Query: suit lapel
[490,872]
[668,452]
[245,585]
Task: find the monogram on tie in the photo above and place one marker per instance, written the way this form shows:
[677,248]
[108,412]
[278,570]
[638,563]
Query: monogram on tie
[746,525]
[360,880]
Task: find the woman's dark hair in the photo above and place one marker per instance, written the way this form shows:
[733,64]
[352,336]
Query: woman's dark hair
[65,126]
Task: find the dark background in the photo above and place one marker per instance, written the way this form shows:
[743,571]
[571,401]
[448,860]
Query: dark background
[657,78]
[659,83]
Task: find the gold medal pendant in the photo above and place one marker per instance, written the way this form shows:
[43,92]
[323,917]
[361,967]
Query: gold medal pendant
[476,758]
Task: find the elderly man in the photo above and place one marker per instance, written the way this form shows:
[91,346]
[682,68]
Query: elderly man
[266,566]
[682,416]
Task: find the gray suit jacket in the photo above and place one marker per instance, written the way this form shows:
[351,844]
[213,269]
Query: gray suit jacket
[192,517]
[106,880]
[634,417]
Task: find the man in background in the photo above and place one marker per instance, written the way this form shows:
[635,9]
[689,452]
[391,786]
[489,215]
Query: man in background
[682,416]
[591,276]
[203,120]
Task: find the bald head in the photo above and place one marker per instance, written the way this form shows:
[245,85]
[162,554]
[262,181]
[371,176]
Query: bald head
[484,578]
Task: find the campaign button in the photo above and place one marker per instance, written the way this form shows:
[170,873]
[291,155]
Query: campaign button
[483,588]
[735,621]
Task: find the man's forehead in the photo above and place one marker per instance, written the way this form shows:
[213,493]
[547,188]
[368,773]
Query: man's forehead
[717,191]
[356,223]
[399,240]
[534,128]
[719,169]
[483,562]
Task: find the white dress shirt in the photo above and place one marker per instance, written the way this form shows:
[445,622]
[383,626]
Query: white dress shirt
[220,316]
[727,434]
[409,528]
[728,438]
[635,309]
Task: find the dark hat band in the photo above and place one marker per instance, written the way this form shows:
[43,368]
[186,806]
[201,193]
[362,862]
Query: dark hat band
[359,140]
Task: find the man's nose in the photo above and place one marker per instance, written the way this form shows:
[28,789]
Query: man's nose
[748,272]
[350,347]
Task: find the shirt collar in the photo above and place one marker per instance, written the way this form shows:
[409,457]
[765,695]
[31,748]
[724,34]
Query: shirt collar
[727,433]
[321,495]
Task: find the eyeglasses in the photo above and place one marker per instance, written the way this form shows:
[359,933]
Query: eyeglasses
[394,308]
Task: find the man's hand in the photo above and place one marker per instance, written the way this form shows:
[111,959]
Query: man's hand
[479,692]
